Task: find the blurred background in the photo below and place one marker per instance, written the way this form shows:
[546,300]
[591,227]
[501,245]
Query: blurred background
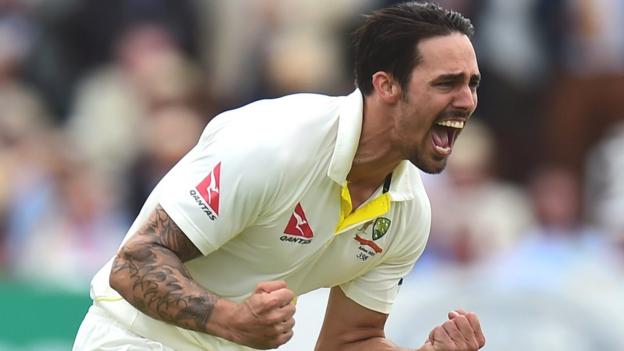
[99,98]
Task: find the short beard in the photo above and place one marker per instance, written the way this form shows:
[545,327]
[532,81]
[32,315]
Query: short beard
[429,170]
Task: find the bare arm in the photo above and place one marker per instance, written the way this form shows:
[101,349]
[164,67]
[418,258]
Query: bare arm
[149,272]
[350,326]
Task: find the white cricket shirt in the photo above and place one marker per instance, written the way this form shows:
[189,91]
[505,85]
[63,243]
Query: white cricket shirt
[263,197]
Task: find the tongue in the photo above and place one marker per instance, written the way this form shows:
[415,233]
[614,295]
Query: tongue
[440,136]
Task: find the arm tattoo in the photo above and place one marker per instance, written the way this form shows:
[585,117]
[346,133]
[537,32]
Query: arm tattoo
[153,278]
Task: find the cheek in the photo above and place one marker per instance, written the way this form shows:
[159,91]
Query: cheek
[422,119]
[417,116]
[414,131]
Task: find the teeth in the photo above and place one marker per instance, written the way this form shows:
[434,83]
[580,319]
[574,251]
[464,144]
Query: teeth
[443,150]
[452,124]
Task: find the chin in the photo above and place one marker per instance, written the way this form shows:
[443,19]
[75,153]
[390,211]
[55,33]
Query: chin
[432,170]
[432,166]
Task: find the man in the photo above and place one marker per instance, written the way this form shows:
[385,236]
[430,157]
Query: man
[285,196]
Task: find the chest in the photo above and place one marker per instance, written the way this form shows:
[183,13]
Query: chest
[303,248]
[298,243]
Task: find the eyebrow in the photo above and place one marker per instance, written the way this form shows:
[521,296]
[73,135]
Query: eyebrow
[475,78]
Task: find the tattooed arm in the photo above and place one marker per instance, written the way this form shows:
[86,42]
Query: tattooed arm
[149,272]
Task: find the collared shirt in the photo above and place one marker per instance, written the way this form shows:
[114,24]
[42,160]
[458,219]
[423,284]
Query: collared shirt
[262,196]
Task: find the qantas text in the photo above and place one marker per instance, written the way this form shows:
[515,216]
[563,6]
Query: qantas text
[203,206]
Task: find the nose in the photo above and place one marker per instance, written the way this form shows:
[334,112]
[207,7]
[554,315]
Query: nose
[465,98]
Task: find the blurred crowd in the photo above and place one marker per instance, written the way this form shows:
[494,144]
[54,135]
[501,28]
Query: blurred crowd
[98,99]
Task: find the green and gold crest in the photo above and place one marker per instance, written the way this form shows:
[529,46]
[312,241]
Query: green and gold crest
[380,227]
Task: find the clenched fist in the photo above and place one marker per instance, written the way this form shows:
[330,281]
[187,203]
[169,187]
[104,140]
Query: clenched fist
[461,332]
[265,319]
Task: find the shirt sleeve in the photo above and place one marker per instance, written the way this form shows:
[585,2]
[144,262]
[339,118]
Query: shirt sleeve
[377,289]
[217,190]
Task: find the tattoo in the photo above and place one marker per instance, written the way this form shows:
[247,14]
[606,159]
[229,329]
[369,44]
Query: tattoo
[151,275]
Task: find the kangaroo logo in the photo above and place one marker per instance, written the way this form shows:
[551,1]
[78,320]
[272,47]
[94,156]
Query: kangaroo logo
[210,188]
[298,224]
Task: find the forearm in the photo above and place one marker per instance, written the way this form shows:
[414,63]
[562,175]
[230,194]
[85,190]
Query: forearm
[375,344]
[344,342]
[154,280]
[149,272]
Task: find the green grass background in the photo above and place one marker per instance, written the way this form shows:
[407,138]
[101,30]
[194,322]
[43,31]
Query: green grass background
[35,317]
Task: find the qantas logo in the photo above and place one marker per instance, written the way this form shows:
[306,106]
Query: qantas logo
[298,227]
[208,190]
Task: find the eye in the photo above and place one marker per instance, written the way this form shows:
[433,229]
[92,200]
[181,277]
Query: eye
[474,84]
[446,85]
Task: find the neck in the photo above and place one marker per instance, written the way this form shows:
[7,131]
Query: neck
[376,155]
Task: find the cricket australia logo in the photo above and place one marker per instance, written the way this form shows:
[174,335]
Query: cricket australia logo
[369,247]
[380,227]
[206,193]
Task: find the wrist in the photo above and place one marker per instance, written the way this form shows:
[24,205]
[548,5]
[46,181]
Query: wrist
[219,323]
[426,347]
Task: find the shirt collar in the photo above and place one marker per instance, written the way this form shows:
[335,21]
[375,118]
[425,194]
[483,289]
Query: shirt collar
[406,183]
[349,130]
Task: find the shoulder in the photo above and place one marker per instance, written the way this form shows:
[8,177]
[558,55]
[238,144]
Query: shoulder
[287,127]
[271,119]
[293,108]
[272,139]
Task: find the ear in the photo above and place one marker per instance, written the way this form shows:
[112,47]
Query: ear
[386,87]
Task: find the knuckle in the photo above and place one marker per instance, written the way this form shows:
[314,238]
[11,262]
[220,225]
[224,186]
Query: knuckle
[260,287]
[288,312]
[473,316]
[277,341]
[461,317]
[470,346]
[286,336]
[271,301]
[275,344]
[274,319]
[273,332]
[463,323]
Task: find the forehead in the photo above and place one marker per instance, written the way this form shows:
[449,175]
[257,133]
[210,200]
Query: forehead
[449,54]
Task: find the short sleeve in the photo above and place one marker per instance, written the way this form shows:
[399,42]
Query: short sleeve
[377,289]
[217,190]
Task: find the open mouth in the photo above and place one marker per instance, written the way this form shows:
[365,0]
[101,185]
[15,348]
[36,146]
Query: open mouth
[443,135]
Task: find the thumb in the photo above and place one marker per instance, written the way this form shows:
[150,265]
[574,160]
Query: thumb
[267,287]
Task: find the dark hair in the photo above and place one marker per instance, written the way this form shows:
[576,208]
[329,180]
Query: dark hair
[388,39]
